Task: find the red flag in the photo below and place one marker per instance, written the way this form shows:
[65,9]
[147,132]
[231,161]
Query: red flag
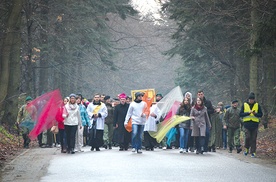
[47,107]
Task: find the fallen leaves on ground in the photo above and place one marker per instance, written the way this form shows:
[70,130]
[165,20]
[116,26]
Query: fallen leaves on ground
[266,142]
[8,145]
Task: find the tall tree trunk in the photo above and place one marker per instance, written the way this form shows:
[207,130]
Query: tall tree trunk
[14,79]
[233,83]
[10,44]
[44,70]
[253,76]
[29,70]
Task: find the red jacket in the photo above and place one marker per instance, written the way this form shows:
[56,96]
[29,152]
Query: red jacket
[59,118]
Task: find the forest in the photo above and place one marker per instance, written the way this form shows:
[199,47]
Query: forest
[226,48]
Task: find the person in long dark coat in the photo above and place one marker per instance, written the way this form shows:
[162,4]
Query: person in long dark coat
[108,127]
[216,134]
[123,136]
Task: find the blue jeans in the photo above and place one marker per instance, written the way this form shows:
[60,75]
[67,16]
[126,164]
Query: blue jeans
[63,141]
[224,138]
[183,139]
[137,135]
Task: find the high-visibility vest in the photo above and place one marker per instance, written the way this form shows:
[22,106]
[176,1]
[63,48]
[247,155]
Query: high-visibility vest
[251,117]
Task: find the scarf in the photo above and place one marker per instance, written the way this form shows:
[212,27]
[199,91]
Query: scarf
[198,107]
[72,106]
[137,101]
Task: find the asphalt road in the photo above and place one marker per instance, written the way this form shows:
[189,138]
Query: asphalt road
[49,164]
[158,165]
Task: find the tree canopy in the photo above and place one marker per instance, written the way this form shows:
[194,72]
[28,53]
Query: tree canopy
[227,48]
[218,41]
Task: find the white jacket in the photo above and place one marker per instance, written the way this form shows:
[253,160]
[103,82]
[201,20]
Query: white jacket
[73,115]
[151,121]
[100,120]
[135,112]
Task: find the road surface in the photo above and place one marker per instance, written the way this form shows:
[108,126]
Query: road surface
[49,165]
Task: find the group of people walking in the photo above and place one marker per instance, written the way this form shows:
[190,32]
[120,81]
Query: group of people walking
[102,123]
[216,127]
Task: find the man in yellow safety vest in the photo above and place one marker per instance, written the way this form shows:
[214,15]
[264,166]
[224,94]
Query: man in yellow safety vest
[251,113]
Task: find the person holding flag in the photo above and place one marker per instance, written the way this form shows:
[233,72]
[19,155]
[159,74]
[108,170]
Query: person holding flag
[25,121]
[151,125]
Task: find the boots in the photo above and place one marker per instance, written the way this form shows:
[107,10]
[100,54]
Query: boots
[213,148]
[239,149]
[63,149]
[230,149]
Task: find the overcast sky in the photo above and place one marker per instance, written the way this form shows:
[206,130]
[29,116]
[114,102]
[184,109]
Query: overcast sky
[149,9]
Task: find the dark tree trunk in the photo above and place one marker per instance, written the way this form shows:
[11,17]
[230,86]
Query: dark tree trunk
[10,67]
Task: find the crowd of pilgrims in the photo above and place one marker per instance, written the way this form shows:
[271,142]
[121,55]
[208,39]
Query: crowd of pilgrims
[101,123]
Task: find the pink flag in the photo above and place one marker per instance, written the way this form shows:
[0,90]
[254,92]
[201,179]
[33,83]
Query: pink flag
[47,107]
[172,111]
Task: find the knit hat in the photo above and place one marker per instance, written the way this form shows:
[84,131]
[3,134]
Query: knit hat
[234,101]
[160,95]
[107,97]
[72,95]
[29,98]
[137,94]
[251,95]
